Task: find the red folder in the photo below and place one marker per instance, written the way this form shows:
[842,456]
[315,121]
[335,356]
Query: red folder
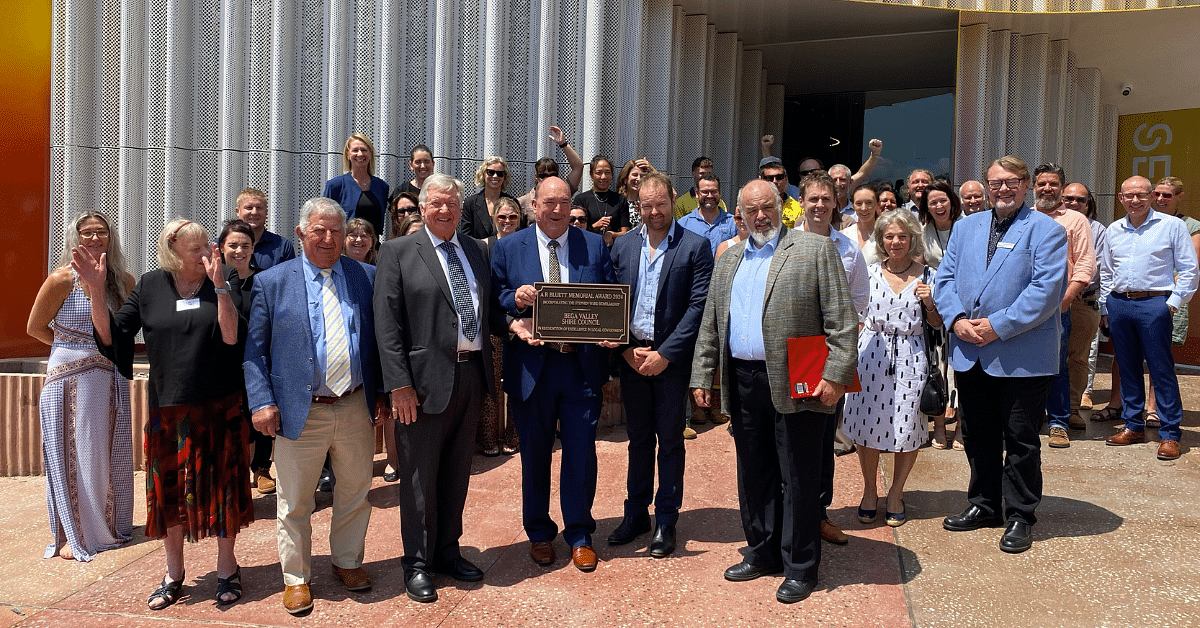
[806,364]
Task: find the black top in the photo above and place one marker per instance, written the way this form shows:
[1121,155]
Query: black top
[370,209]
[407,186]
[604,204]
[189,363]
[475,220]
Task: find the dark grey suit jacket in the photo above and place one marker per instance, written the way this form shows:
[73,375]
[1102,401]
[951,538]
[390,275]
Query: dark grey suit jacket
[807,295]
[415,320]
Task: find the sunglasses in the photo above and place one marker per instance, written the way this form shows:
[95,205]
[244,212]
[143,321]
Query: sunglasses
[507,217]
[774,177]
[496,173]
[1166,195]
[577,219]
[1074,199]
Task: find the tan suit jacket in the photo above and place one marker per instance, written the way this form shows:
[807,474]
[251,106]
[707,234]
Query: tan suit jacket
[806,295]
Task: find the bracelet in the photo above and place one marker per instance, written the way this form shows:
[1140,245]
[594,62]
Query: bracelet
[221,290]
[564,145]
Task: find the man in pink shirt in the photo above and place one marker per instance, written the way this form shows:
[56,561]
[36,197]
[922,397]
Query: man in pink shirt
[1048,182]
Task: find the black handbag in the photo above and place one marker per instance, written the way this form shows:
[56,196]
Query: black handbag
[934,394]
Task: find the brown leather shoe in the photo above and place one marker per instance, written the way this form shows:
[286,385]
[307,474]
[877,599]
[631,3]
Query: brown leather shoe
[542,552]
[1126,437]
[356,579]
[1168,450]
[831,533]
[263,482]
[583,557]
[297,599]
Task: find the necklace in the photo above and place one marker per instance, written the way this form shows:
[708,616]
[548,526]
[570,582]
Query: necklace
[910,265]
[190,293]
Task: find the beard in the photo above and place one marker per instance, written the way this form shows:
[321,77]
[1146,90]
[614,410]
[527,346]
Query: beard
[1046,205]
[762,238]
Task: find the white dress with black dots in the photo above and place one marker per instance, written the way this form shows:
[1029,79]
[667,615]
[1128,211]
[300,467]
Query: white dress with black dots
[891,365]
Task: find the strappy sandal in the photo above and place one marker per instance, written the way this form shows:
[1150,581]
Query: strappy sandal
[168,592]
[230,586]
[1152,420]
[1109,413]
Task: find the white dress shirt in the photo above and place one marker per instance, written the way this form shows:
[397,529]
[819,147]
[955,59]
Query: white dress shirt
[463,343]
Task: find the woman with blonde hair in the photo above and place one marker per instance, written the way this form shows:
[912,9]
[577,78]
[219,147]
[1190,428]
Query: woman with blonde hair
[84,405]
[478,218]
[197,477]
[359,191]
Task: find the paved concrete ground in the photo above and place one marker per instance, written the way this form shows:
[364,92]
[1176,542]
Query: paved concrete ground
[1115,546]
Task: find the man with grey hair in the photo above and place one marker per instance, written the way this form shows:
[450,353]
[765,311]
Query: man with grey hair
[432,304]
[778,284]
[973,199]
[312,379]
[918,181]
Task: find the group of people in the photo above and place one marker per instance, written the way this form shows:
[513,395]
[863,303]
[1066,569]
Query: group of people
[421,332]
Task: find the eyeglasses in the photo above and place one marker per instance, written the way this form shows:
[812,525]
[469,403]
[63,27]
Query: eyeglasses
[1074,199]
[93,233]
[1164,195]
[507,217]
[774,177]
[1012,184]
[358,236]
[496,173]
[1136,196]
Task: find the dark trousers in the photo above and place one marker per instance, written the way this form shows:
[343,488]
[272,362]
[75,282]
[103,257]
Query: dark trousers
[1141,329]
[560,399]
[435,469]
[1058,400]
[1001,441]
[778,470]
[260,446]
[655,407]
[827,456]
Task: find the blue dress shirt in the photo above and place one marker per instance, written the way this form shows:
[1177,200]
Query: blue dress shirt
[746,301]
[271,249]
[645,293]
[722,229]
[316,320]
[1158,255]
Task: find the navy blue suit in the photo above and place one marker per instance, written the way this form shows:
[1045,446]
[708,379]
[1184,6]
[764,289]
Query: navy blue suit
[655,405]
[345,190]
[549,388]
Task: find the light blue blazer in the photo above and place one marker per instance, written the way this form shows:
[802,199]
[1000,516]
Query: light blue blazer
[1019,293]
[280,355]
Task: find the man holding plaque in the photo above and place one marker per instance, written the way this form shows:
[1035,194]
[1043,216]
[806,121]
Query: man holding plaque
[553,384]
[777,284]
[667,268]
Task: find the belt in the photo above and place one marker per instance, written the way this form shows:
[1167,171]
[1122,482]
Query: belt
[466,356]
[638,342]
[1143,294]
[561,347]
[328,400]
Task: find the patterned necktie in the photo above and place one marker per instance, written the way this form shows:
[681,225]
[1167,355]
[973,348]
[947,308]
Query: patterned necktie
[337,348]
[555,271]
[462,294]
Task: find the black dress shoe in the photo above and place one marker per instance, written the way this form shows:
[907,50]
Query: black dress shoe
[663,542]
[460,569]
[972,518]
[630,529]
[1018,537]
[792,591]
[744,571]
[391,476]
[419,587]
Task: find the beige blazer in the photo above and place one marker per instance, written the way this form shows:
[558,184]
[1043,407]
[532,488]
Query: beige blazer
[806,295]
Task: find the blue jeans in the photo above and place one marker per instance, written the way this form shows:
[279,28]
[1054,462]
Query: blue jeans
[1058,401]
[1141,329]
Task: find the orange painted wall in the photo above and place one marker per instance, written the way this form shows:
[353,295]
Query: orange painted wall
[24,168]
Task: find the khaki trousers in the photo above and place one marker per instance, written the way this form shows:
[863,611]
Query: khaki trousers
[344,430]
[1085,320]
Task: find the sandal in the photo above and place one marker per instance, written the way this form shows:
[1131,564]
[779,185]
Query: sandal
[168,592]
[1109,413]
[1152,420]
[230,586]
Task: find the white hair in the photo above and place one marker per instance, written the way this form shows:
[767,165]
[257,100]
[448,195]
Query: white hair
[321,206]
[440,181]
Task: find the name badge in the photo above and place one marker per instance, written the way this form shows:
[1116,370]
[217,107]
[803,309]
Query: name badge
[183,305]
[1004,245]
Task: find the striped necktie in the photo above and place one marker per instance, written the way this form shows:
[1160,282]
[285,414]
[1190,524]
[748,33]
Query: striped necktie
[337,348]
[462,294]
